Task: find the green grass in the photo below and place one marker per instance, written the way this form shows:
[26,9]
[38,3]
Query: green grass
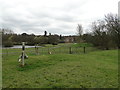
[82,45]
[98,69]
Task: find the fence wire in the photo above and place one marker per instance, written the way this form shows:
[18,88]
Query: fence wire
[49,50]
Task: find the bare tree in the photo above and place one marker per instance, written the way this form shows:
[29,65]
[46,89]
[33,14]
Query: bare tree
[113,27]
[7,36]
[105,33]
[100,34]
[6,31]
[79,32]
[45,33]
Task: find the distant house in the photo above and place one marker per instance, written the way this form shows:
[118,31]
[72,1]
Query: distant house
[70,39]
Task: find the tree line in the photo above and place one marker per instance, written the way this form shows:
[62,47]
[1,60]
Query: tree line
[9,38]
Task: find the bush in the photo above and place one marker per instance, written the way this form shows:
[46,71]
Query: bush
[8,44]
[54,44]
[61,41]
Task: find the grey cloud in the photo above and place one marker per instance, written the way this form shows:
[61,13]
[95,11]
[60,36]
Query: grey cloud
[61,31]
[65,18]
[30,17]
[36,20]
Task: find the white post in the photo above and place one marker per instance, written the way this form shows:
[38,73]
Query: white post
[23,53]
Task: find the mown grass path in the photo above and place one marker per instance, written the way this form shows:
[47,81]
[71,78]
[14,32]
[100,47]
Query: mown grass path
[98,69]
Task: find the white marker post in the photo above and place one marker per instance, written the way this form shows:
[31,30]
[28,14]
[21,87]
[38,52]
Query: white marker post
[23,56]
[23,53]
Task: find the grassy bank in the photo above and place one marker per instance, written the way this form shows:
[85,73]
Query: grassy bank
[91,70]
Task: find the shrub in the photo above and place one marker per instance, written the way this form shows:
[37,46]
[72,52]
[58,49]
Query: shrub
[55,43]
[8,44]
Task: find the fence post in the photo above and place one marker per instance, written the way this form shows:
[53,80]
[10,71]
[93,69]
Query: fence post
[70,51]
[23,53]
[48,51]
[23,63]
[23,56]
[76,50]
[7,51]
[84,49]
[36,49]
[41,51]
[59,50]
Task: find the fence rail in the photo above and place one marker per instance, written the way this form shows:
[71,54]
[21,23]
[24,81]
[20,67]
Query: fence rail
[50,50]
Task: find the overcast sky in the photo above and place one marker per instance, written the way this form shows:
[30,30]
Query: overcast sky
[54,16]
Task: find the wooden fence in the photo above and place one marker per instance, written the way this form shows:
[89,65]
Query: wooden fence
[49,50]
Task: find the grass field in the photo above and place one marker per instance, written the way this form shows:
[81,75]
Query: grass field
[98,69]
